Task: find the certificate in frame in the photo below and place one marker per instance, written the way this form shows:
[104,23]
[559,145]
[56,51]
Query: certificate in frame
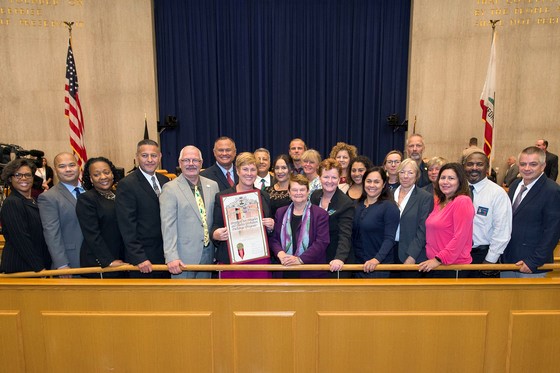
[243,218]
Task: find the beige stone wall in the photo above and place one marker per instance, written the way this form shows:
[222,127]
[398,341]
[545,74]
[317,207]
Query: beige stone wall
[450,47]
[114,52]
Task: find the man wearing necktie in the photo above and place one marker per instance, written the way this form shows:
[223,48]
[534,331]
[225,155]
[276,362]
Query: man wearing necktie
[186,206]
[137,205]
[492,219]
[264,179]
[536,217]
[223,172]
[57,207]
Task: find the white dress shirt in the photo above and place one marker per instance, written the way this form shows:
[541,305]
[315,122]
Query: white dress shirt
[492,219]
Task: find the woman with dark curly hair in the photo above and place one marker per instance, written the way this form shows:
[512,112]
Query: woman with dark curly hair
[25,248]
[344,153]
[103,245]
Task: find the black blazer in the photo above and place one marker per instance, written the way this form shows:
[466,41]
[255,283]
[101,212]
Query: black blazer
[536,225]
[103,242]
[139,220]
[222,255]
[551,168]
[215,173]
[50,175]
[341,213]
[412,236]
[25,248]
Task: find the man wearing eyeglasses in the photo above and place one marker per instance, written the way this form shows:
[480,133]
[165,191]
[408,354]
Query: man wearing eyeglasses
[415,149]
[57,207]
[186,207]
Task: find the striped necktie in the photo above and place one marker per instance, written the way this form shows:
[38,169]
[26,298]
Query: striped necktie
[155,186]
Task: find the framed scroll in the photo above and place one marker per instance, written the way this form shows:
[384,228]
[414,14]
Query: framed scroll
[243,219]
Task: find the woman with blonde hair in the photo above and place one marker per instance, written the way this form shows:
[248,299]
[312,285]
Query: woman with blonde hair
[246,168]
[311,160]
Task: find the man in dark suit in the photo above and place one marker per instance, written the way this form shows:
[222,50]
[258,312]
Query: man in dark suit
[551,169]
[57,207]
[264,178]
[138,215]
[536,217]
[512,172]
[223,171]
[415,149]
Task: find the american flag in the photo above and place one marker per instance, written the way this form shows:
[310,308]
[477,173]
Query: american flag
[73,109]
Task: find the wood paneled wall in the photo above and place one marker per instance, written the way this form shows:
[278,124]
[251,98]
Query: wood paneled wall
[279,326]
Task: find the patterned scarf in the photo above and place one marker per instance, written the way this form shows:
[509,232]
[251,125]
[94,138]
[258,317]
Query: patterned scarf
[286,232]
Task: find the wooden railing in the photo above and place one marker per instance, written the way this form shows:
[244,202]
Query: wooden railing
[274,268]
[354,325]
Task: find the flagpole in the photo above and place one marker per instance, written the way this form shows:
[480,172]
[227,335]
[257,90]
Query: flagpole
[72,106]
[488,99]
[494,132]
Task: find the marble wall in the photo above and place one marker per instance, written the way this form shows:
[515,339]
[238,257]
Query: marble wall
[450,48]
[113,46]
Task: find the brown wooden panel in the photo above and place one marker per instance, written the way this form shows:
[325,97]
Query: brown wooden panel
[264,341]
[128,341]
[533,341]
[401,341]
[11,346]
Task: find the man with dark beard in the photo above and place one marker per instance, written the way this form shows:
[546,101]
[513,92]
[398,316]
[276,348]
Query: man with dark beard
[493,217]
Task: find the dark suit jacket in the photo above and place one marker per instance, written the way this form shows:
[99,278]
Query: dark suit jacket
[412,237]
[551,169]
[50,175]
[215,173]
[511,174]
[103,242]
[319,239]
[139,219]
[25,248]
[222,254]
[536,225]
[424,179]
[341,213]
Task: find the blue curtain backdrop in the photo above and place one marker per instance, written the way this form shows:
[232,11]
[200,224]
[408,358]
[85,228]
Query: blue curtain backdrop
[265,71]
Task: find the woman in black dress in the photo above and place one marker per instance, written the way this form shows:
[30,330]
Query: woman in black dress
[25,248]
[103,245]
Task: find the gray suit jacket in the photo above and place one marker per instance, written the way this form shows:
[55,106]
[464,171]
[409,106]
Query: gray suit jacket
[412,241]
[57,207]
[181,223]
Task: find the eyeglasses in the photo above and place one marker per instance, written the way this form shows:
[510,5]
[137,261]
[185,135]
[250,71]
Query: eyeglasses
[19,176]
[393,162]
[188,160]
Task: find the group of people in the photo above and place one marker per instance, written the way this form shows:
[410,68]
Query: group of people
[335,211]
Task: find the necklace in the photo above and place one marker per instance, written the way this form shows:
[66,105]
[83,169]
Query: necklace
[107,195]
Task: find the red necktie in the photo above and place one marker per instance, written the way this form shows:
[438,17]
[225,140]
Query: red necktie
[229,179]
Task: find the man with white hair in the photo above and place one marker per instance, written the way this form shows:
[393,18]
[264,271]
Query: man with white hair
[186,210]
